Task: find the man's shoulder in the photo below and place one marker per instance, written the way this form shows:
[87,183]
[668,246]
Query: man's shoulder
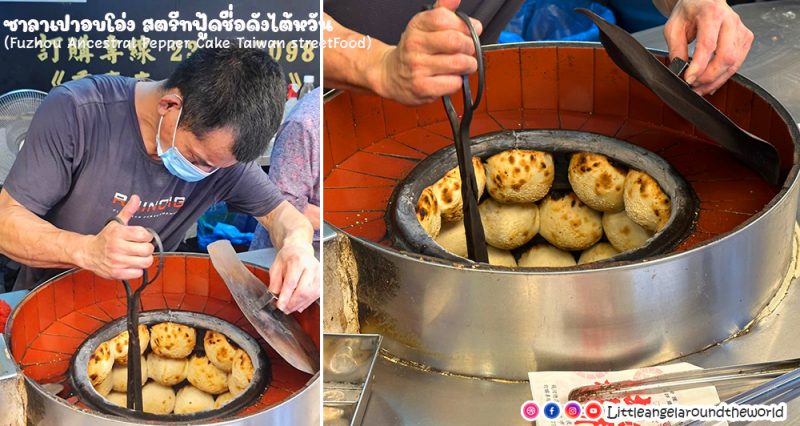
[97,89]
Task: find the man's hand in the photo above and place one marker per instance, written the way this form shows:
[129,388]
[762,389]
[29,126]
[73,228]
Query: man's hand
[434,51]
[295,276]
[119,251]
[722,41]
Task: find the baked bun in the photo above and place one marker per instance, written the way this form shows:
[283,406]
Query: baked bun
[119,344]
[597,252]
[104,388]
[500,257]
[241,372]
[218,350]
[207,377]
[623,233]
[448,191]
[597,182]
[118,398]
[519,176]
[508,226]
[191,400]
[645,202]
[171,340]
[546,256]
[119,376]
[157,398]
[453,238]
[233,386]
[100,364]
[428,213]
[167,371]
[223,399]
[569,224]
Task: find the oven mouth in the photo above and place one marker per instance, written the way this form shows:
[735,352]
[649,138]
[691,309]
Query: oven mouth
[262,370]
[407,234]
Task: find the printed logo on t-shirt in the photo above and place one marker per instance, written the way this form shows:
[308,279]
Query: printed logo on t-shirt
[151,209]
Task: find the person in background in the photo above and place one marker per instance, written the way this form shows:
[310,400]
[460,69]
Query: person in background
[417,56]
[294,163]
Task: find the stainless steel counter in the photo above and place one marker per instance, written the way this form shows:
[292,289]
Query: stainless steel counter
[407,396]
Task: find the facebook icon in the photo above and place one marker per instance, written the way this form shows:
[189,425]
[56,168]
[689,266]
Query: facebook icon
[551,410]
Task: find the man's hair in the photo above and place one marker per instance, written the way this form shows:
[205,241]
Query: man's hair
[241,89]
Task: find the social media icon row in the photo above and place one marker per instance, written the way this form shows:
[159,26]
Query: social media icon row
[572,410]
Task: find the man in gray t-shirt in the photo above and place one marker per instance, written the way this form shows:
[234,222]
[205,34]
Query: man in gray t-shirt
[154,154]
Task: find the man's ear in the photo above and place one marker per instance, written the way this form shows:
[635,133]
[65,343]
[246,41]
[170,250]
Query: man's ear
[168,102]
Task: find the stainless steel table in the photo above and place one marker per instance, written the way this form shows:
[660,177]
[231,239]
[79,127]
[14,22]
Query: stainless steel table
[406,396]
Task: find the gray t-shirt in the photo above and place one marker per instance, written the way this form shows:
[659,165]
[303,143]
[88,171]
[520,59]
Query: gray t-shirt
[84,156]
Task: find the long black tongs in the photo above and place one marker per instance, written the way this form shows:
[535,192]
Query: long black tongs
[476,241]
[135,401]
[666,83]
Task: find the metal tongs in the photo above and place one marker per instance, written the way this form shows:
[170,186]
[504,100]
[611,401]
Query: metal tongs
[685,380]
[133,297]
[476,240]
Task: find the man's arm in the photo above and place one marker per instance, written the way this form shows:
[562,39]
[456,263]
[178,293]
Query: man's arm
[433,52]
[722,40]
[29,240]
[295,273]
[118,252]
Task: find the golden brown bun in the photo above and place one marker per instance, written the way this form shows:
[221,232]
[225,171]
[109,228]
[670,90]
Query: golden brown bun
[500,257]
[597,182]
[118,398]
[597,252]
[645,202]
[218,350]
[119,344]
[623,233]
[223,399]
[508,226]
[157,398]
[546,256]
[569,224]
[119,376]
[171,340]
[104,388]
[241,372]
[453,238]
[207,377]
[519,176]
[448,191]
[428,213]
[192,400]
[100,364]
[167,371]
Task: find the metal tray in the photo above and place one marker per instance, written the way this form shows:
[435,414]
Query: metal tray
[348,363]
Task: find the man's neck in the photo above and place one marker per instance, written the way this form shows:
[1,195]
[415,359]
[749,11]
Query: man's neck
[148,95]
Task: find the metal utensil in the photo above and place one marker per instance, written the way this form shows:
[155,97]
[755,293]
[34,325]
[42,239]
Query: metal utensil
[684,380]
[281,331]
[637,62]
[133,297]
[476,240]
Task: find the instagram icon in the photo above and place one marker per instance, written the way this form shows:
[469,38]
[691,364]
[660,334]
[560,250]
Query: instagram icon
[572,410]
